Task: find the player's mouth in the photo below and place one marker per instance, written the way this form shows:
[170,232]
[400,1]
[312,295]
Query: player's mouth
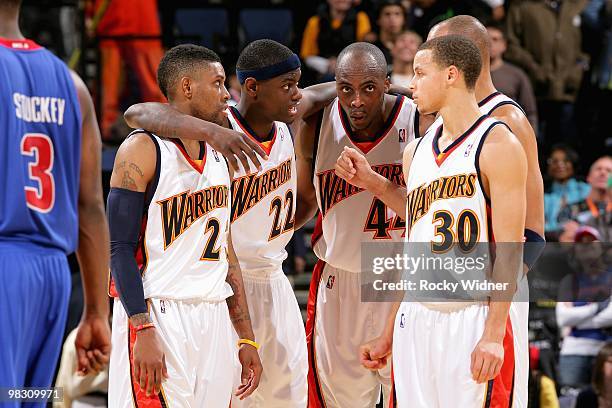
[358,116]
[293,110]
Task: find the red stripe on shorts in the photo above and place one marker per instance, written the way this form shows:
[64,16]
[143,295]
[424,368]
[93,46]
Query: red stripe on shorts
[315,395]
[500,390]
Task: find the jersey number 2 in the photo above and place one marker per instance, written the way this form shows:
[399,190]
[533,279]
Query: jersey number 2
[40,147]
[276,207]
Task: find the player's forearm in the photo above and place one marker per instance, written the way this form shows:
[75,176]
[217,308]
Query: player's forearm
[305,210]
[237,304]
[319,96]
[164,120]
[393,195]
[93,256]
[390,325]
[495,324]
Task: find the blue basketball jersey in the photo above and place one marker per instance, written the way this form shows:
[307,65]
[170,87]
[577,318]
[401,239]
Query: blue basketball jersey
[40,140]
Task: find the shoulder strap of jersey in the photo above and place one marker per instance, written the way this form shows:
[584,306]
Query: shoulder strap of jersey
[315,145]
[152,185]
[477,155]
[497,99]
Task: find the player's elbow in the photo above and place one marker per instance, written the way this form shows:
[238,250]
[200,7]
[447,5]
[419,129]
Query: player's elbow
[134,114]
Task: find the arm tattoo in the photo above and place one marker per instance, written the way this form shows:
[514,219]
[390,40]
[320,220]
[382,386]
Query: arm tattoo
[237,302]
[127,181]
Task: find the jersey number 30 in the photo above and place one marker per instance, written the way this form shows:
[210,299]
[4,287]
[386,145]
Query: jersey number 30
[40,147]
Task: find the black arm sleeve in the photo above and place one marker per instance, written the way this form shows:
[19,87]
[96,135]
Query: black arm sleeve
[124,208]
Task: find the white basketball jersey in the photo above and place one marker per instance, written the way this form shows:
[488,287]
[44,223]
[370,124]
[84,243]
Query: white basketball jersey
[486,106]
[445,194]
[263,202]
[184,240]
[350,216]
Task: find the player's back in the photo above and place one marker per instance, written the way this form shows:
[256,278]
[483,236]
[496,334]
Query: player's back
[40,150]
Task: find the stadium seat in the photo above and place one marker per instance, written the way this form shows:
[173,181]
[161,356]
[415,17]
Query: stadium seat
[276,24]
[208,27]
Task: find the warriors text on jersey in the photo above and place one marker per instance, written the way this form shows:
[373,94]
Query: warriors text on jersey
[263,203]
[41,147]
[349,215]
[445,192]
[182,249]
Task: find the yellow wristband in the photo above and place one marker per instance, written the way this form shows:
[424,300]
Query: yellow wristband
[249,342]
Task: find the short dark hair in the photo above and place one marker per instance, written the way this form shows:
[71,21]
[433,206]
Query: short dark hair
[570,153]
[458,51]
[388,3]
[368,49]
[497,26]
[262,53]
[182,60]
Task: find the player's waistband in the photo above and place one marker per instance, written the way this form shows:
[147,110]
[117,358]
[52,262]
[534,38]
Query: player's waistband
[263,274]
[450,307]
[19,247]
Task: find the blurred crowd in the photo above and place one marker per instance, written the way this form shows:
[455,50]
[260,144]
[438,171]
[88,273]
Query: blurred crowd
[554,57]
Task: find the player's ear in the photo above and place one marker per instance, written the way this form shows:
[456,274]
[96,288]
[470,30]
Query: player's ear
[387,84]
[452,74]
[186,87]
[250,85]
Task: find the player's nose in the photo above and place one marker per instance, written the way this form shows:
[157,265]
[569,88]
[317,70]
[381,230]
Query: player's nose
[297,95]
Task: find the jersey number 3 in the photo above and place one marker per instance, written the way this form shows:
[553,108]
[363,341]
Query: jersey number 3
[40,147]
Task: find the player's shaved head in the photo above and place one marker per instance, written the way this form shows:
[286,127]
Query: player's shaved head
[362,56]
[466,26]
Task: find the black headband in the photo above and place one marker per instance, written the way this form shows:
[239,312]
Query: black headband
[261,74]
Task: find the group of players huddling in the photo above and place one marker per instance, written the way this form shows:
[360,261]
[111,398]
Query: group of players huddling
[205,197]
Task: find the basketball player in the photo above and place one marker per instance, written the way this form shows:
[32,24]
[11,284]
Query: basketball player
[501,107]
[172,261]
[380,126]
[51,205]
[446,353]
[263,208]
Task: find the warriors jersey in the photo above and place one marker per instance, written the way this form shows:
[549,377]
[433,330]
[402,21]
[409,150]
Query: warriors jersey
[350,216]
[263,202]
[444,189]
[487,106]
[182,250]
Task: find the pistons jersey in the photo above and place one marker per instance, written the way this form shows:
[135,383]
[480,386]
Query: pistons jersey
[446,202]
[350,216]
[263,202]
[182,249]
[486,106]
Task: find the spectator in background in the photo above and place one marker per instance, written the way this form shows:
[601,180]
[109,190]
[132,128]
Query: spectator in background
[336,25]
[583,309]
[544,39]
[121,19]
[403,52]
[596,209]
[542,390]
[424,14]
[510,79]
[562,188]
[390,24]
[599,393]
